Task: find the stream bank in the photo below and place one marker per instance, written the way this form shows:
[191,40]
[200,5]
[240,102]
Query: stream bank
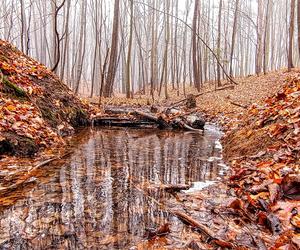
[257,207]
[36,107]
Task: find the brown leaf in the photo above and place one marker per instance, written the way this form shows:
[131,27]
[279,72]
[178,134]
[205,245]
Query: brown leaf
[273,223]
[291,186]
[274,191]
[236,204]
[161,231]
[295,221]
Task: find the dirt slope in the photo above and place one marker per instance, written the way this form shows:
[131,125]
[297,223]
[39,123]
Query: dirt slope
[35,106]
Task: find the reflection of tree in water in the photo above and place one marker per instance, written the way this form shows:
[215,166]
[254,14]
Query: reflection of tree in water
[96,197]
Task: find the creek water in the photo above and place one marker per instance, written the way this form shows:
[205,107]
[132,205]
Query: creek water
[97,197]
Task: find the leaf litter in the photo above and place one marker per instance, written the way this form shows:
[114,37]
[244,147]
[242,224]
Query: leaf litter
[256,208]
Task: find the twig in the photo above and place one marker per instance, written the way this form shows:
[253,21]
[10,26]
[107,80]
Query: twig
[238,105]
[200,94]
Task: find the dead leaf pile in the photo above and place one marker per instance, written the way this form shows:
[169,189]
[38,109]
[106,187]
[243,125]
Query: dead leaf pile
[20,69]
[36,107]
[263,147]
[25,120]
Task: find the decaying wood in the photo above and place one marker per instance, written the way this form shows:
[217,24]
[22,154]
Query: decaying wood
[123,122]
[165,119]
[158,119]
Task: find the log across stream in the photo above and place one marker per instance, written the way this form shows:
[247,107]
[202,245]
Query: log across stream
[114,191]
[163,118]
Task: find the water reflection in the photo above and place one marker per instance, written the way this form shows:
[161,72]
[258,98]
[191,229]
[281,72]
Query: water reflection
[97,198]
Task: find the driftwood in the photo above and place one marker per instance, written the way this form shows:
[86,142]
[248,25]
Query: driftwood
[166,119]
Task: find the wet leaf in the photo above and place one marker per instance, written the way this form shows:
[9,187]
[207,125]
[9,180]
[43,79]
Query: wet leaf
[273,223]
[274,191]
[291,186]
[295,221]
[161,231]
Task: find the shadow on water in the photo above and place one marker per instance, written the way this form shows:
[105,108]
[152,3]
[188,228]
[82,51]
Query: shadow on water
[96,198]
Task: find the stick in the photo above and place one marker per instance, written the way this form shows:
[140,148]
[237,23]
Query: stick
[204,229]
[239,105]
[195,224]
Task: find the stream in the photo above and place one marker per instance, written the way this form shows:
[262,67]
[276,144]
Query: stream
[97,197]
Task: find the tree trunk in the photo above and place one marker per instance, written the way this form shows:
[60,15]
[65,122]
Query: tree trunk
[219,42]
[291,35]
[195,47]
[233,35]
[298,24]
[112,67]
[128,63]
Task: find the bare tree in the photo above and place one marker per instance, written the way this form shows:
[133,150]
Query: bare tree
[57,39]
[234,30]
[298,24]
[112,68]
[128,63]
[195,47]
[291,36]
[219,41]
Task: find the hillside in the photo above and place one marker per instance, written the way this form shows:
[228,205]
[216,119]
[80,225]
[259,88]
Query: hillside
[36,108]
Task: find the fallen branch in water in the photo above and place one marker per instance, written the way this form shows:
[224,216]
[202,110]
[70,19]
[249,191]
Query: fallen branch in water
[202,228]
[165,119]
[193,223]
[170,188]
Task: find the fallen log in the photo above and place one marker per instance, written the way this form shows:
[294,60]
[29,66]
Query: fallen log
[159,120]
[123,122]
[167,119]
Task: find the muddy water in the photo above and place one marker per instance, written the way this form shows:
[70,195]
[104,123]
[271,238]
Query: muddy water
[99,198]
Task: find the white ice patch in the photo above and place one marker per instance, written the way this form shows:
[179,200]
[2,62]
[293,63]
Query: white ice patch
[197,186]
[213,158]
[218,145]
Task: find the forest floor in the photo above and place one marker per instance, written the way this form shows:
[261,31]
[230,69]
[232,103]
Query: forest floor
[249,90]
[257,206]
